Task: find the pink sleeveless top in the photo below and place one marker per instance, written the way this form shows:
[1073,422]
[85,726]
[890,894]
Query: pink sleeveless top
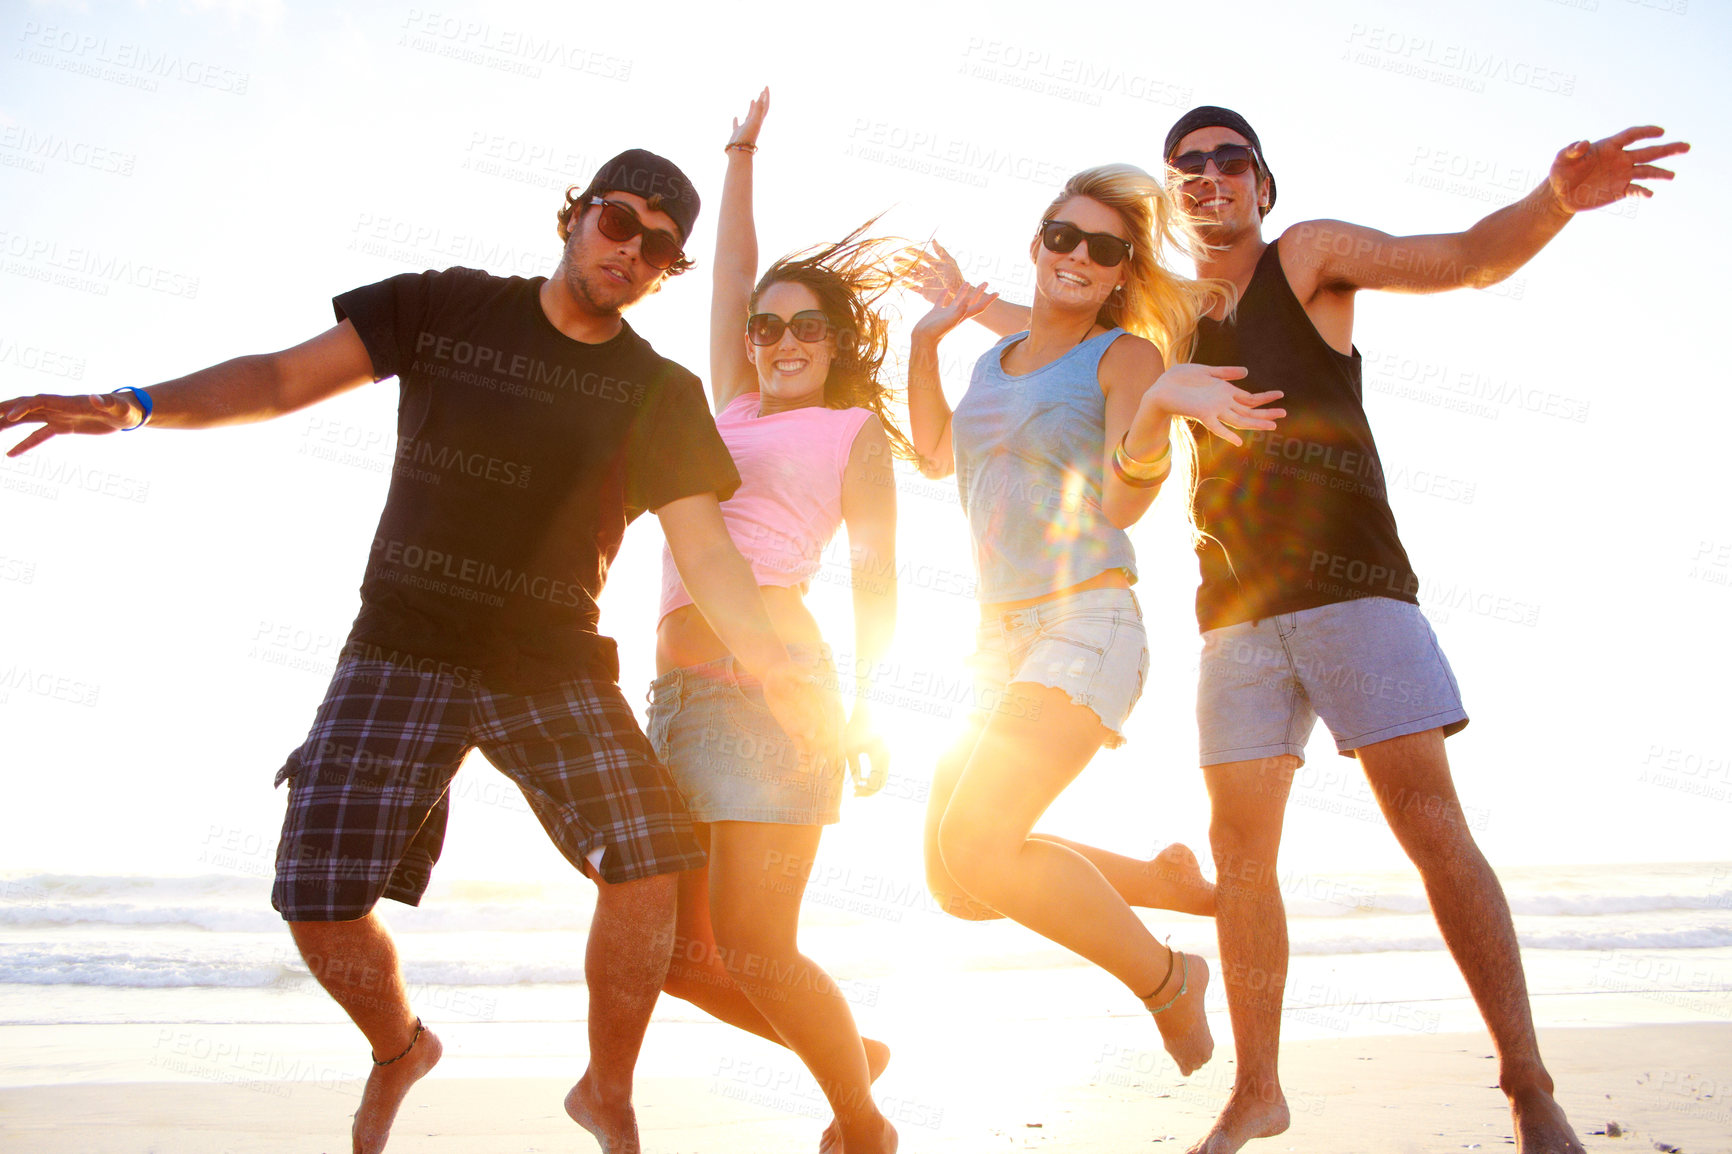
[789,503]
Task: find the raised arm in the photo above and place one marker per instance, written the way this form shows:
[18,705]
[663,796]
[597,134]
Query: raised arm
[1142,401]
[724,590]
[250,388]
[939,273]
[1332,255]
[928,412]
[869,511]
[736,265]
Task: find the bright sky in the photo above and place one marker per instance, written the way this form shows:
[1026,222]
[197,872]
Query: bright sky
[188,182]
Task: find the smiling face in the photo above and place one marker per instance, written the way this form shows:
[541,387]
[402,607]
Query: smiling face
[1227,206]
[607,276]
[791,372]
[1072,280]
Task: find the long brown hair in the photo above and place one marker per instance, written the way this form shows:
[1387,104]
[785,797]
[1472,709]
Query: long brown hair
[850,277]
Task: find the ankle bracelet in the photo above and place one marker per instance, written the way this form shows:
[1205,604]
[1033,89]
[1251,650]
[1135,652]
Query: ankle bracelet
[420,1029]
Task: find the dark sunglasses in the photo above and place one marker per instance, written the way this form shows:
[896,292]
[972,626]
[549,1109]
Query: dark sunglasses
[809,327]
[1105,249]
[618,222]
[1230,160]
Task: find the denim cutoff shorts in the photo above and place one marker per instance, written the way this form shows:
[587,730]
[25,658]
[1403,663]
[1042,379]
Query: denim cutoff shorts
[1089,644]
[731,761]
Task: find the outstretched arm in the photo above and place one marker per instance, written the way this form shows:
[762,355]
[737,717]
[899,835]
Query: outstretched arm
[724,590]
[939,273]
[1142,400]
[928,412]
[736,265]
[869,511]
[251,388]
[1586,175]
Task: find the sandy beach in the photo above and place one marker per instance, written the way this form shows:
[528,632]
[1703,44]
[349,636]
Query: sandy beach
[1665,1087]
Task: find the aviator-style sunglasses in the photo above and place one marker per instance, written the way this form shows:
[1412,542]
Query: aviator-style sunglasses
[619,223]
[1105,249]
[809,327]
[1230,160]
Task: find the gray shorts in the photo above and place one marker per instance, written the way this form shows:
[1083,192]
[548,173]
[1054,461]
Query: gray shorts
[727,754]
[1370,668]
[1089,644]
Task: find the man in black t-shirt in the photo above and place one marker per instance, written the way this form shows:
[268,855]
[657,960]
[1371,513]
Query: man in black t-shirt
[533,426]
[1308,602]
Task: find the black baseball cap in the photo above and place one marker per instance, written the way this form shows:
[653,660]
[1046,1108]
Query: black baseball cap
[1214,116]
[637,170]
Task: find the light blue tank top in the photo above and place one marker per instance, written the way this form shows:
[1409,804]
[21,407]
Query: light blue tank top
[1029,452]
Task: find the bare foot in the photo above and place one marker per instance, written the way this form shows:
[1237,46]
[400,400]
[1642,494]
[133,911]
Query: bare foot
[877,1058]
[1183,1025]
[1540,1125]
[886,1144]
[1176,883]
[1247,1115]
[386,1086]
[614,1127]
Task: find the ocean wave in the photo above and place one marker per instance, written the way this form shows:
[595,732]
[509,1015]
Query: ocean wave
[226,903]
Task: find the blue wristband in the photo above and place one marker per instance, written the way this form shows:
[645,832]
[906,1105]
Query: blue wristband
[144,403]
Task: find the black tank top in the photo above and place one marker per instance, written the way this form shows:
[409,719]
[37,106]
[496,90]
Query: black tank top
[1298,517]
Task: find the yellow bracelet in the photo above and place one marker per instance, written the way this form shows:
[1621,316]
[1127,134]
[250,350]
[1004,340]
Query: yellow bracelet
[1140,469]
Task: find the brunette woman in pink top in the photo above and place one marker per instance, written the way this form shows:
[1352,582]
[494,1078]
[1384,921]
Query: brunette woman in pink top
[795,367]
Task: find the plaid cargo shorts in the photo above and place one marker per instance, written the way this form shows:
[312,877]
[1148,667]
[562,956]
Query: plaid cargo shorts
[368,795]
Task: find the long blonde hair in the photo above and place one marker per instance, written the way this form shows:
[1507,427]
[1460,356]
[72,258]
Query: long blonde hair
[1156,303]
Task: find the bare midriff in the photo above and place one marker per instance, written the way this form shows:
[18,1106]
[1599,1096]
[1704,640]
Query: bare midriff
[684,637]
[1110,579]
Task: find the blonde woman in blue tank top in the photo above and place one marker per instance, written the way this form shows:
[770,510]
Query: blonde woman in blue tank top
[1059,445]
[796,373]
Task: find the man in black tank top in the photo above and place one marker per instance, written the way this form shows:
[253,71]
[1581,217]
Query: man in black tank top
[1308,603]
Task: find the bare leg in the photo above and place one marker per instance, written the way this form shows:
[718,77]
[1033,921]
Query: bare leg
[1248,800]
[1019,766]
[1410,776]
[698,976]
[356,962]
[758,875]
[630,939]
[951,897]
[1171,880]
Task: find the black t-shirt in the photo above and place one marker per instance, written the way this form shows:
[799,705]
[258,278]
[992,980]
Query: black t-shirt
[1298,517]
[521,457]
